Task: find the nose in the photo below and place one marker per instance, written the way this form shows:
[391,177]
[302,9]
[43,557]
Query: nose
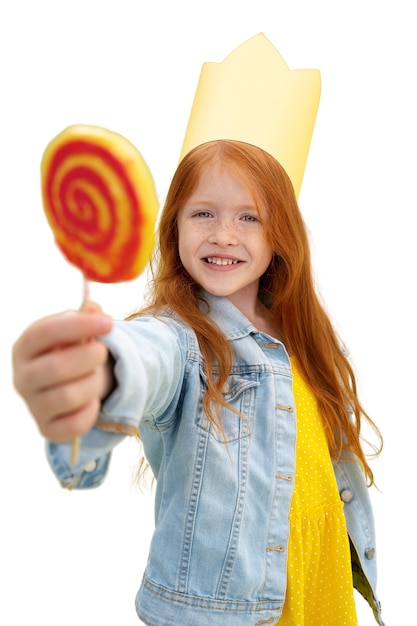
[223,233]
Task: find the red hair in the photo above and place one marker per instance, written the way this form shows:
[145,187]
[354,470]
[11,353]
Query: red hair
[286,288]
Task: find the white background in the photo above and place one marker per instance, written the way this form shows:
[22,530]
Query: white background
[77,558]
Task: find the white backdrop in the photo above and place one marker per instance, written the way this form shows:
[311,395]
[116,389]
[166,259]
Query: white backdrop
[77,558]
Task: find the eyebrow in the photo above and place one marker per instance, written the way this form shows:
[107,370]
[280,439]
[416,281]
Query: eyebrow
[208,203]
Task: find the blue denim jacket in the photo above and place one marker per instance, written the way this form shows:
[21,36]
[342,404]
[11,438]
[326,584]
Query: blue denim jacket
[219,550]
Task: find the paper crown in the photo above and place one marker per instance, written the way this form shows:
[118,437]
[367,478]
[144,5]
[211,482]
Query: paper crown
[253,96]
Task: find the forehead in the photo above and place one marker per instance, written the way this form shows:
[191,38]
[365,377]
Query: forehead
[224,177]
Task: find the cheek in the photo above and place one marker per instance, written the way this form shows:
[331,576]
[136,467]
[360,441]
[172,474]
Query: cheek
[186,245]
[264,244]
[182,238]
[190,236]
[268,245]
[266,253]
[182,253]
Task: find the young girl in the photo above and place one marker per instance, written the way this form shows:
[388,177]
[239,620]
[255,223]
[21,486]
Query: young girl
[244,400]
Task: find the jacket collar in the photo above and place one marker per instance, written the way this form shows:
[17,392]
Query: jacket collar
[232,322]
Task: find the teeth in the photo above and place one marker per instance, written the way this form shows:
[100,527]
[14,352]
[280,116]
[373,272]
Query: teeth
[217,261]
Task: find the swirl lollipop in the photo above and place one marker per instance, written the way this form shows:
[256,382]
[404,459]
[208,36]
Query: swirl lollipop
[100,201]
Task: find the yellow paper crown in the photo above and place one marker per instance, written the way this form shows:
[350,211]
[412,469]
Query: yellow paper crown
[253,96]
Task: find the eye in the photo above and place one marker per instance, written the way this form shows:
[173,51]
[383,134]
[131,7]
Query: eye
[250,218]
[202,214]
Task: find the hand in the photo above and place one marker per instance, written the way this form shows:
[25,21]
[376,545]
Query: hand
[63,372]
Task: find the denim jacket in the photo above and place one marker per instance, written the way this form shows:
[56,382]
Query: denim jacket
[219,550]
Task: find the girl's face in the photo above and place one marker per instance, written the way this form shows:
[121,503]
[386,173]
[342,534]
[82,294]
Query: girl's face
[222,240]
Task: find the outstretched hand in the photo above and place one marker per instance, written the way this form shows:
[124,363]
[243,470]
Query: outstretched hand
[63,372]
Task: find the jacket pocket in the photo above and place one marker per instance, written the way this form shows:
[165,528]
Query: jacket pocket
[240,395]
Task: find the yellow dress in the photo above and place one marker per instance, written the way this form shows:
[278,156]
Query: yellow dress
[319,586]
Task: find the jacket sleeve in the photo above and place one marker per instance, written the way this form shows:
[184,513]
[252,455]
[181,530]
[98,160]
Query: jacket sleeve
[149,369]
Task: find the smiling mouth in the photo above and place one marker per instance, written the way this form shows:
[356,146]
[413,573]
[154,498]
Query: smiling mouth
[221,262]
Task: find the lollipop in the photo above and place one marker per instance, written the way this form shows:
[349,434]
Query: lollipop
[100,201]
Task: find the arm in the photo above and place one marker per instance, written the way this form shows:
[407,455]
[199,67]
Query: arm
[62,371]
[149,361]
[73,387]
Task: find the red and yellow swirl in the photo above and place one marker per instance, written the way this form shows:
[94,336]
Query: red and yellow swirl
[100,200]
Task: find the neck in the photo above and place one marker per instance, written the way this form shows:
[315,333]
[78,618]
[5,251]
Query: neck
[260,316]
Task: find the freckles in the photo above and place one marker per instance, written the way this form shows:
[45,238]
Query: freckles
[199,231]
[191,236]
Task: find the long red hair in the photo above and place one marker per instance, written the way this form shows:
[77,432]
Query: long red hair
[286,288]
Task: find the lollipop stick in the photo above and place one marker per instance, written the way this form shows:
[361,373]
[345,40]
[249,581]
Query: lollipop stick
[76,442]
[75,450]
[86,293]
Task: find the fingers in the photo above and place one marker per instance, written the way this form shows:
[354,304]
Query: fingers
[58,330]
[67,411]
[60,365]
[62,371]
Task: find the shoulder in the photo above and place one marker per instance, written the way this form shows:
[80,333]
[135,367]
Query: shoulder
[163,326]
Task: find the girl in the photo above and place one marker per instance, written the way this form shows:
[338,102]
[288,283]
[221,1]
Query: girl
[244,400]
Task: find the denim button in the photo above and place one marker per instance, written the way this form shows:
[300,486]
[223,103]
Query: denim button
[346,495]
[370,553]
[276,548]
[90,467]
[287,477]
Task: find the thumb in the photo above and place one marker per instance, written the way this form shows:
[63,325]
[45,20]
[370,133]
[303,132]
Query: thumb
[90,307]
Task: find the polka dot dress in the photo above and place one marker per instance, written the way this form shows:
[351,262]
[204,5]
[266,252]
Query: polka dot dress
[319,587]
